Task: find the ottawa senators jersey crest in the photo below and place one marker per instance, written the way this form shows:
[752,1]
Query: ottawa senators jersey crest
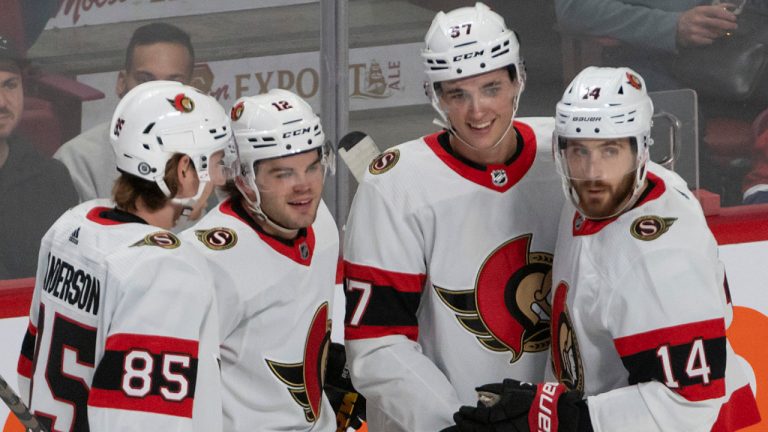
[305,379]
[217,238]
[161,239]
[508,309]
[566,358]
[649,228]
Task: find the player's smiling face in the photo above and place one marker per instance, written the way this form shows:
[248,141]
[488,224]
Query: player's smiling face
[290,189]
[480,109]
[602,172]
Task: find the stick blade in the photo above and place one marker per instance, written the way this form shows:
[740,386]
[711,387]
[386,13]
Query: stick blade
[357,150]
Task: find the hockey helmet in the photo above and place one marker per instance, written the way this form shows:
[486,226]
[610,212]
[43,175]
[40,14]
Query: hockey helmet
[600,104]
[274,125]
[468,41]
[158,119]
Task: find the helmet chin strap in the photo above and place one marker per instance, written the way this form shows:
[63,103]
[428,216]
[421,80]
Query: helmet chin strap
[254,206]
[187,204]
[456,134]
[446,124]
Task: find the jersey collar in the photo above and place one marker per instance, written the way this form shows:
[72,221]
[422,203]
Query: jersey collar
[301,249]
[112,216]
[497,177]
[584,227]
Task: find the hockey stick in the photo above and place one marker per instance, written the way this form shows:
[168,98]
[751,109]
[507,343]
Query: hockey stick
[357,149]
[18,408]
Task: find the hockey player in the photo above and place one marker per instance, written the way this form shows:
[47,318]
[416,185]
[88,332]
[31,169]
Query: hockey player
[448,248]
[123,332]
[274,248]
[640,303]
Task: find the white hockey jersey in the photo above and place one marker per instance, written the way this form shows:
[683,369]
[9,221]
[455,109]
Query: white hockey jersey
[275,302]
[123,332]
[640,309]
[447,273]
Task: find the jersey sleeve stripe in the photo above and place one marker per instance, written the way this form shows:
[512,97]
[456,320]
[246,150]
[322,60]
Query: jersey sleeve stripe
[116,399]
[404,282]
[153,374]
[739,412]
[675,335]
[365,332]
[152,344]
[689,359]
[24,367]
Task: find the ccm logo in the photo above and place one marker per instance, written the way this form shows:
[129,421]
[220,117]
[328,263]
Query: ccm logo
[297,132]
[546,406]
[468,55]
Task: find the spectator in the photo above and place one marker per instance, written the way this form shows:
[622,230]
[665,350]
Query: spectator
[34,190]
[157,51]
[651,31]
[449,243]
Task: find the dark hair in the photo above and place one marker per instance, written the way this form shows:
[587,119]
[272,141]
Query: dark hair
[155,33]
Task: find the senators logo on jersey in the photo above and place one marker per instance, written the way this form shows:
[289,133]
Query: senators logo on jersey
[305,379]
[566,358]
[384,162]
[162,239]
[649,228]
[508,309]
[217,238]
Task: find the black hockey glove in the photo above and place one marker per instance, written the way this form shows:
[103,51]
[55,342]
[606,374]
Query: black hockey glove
[347,403]
[514,406]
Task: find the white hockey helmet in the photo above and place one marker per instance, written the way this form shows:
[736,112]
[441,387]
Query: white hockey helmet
[273,125]
[599,104]
[158,119]
[468,41]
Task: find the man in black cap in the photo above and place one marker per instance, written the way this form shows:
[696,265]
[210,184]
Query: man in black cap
[34,190]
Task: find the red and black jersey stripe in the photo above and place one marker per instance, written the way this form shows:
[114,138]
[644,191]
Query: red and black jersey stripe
[24,367]
[146,373]
[692,356]
[388,308]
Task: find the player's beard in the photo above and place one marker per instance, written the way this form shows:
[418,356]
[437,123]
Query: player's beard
[611,199]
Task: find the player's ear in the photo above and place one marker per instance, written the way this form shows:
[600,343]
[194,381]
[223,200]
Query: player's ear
[186,177]
[121,85]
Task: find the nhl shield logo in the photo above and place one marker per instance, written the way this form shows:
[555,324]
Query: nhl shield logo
[499,177]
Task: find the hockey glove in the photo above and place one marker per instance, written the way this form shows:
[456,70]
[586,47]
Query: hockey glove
[347,403]
[514,406]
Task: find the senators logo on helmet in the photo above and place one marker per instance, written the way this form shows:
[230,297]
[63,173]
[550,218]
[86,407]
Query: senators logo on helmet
[634,81]
[237,111]
[182,103]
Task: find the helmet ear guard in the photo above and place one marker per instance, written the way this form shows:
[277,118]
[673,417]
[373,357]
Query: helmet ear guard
[603,104]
